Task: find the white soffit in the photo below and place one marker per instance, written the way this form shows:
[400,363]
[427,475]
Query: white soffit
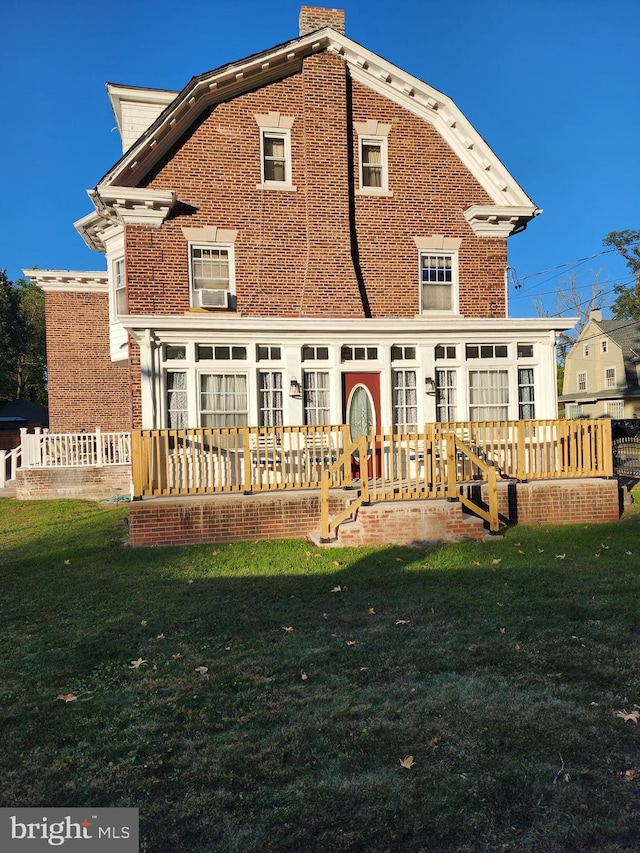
[366,67]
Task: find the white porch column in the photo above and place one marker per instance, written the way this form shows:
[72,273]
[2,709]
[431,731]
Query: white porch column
[149,380]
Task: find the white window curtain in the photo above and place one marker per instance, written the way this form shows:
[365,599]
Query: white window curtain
[526,398]
[223,399]
[371,154]
[446,402]
[274,150]
[177,400]
[405,400]
[488,395]
[316,397]
[271,399]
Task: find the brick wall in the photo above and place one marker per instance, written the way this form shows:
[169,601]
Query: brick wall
[586,500]
[92,484]
[189,521]
[293,249]
[86,389]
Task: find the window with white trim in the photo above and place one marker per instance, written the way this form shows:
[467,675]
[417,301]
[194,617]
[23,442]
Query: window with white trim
[212,275]
[119,286]
[585,350]
[275,155]
[488,395]
[270,398]
[603,345]
[373,163]
[438,282]
[446,382]
[582,380]
[610,377]
[223,399]
[443,351]
[574,410]
[614,408]
[177,399]
[405,400]
[316,396]
[526,394]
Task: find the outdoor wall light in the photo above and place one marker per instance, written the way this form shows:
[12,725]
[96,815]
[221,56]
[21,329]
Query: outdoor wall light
[429,385]
[295,389]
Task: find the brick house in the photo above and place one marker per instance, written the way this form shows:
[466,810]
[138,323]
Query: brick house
[307,235]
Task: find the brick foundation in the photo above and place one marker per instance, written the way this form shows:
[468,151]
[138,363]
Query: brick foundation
[227,518]
[294,515]
[557,501]
[93,484]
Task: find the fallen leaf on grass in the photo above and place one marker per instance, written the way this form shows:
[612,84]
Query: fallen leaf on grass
[476,562]
[434,741]
[202,670]
[67,562]
[350,642]
[629,775]
[503,630]
[177,656]
[541,550]
[629,552]
[372,611]
[407,762]
[287,628]
[403,621]
[496,560]
[517,647]
[520,551]
[560,556]
[136,664]
[304,676]
[336,589]
[632,716]
[143,622]
[68,697]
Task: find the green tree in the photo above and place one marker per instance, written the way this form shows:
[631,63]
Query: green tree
[626,305]
[23,361]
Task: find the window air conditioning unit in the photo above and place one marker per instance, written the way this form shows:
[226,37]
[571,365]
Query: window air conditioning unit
[211,298]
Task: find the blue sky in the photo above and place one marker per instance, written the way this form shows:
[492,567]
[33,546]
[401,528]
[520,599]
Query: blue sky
[552,85]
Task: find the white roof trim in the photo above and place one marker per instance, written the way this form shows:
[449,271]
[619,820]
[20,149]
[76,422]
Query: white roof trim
[69,281]
[366,67]
[345,326]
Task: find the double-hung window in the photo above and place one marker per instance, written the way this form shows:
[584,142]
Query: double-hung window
[119,287]
[212,275]
[275,148]
[582,380]
[439,282]
[610,377]
[373,163]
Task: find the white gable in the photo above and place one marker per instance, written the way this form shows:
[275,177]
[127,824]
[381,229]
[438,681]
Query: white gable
[136,109]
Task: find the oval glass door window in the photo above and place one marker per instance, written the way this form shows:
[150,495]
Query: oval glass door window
[360,412]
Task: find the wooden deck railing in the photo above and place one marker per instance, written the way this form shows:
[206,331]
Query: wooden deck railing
[399,466]
[233,459]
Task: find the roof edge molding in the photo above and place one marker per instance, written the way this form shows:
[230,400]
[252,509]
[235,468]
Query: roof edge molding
[136,108]
[367,68]
[69,281]
[489,220]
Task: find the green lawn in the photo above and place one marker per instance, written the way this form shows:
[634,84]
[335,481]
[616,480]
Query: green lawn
[501,667]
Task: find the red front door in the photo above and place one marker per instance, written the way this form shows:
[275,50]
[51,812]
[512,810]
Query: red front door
[361,406]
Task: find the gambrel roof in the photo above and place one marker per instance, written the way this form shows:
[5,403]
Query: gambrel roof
[118,193]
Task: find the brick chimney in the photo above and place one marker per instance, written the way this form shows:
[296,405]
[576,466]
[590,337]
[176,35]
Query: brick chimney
[314,18]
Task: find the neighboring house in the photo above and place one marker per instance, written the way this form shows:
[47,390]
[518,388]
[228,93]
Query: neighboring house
[308,235]
[601,376]
[16,415]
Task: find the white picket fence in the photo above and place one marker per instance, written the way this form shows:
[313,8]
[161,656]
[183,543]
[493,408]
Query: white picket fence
[44,449]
